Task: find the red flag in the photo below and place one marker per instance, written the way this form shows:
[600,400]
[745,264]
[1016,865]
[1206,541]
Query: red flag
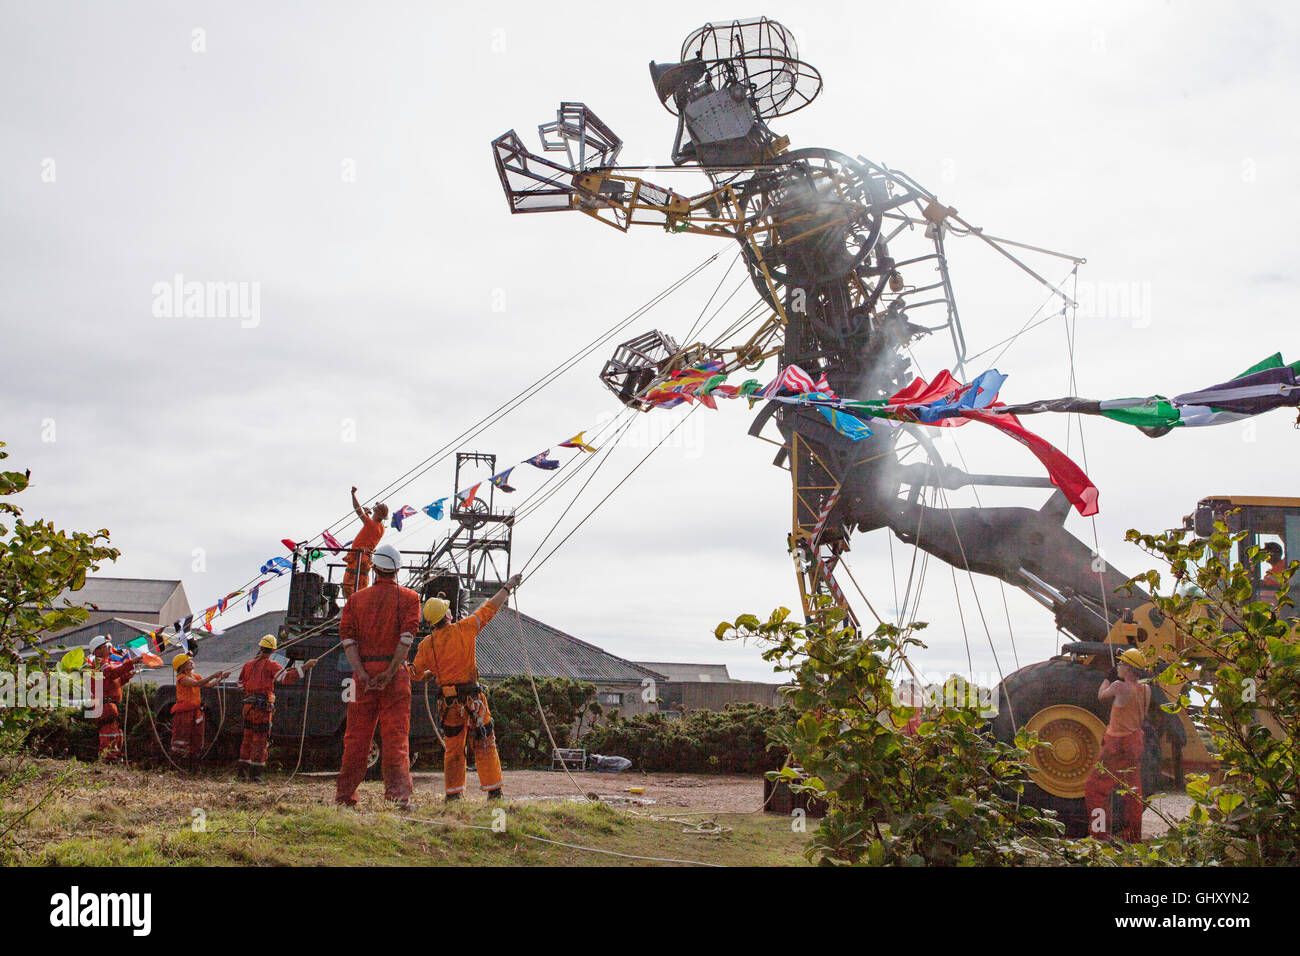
[918,392]
[331,542]
[290,544]
[1065,474]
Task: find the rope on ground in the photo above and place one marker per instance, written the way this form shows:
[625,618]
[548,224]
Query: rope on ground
[541,711]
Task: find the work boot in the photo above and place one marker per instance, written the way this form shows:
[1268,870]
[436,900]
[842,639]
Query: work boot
[255,774]
[452,797]
[241,771]
[495,794]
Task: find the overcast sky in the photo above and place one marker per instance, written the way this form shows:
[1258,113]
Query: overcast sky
[334,157]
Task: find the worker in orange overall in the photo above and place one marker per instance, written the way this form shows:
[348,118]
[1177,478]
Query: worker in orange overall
[1272,581]
[377,628]
[1121,751]
[357,574]
[113,671]
[187,712]
[258,679]
[447,656]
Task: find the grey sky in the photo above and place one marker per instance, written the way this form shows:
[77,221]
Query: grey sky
[1153,138]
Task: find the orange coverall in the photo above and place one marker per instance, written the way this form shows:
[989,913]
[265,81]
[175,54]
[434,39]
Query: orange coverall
[447,655]
[378,620]
[357,575]
[258,679]
[187,721]
[1120,763]
[113,675]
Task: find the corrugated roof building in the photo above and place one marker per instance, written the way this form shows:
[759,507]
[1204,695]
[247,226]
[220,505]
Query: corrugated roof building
[145,600]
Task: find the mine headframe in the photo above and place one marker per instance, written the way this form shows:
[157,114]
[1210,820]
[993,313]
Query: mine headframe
[473,560]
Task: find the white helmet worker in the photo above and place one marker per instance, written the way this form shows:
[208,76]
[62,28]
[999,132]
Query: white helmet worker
[97,642]
[386,558]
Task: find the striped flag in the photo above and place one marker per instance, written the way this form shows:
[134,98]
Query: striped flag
[792,379]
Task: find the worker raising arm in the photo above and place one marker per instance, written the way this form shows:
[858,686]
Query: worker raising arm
[448,655]
[357,575]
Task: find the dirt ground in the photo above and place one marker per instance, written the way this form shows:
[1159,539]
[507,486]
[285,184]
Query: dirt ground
[667,791]
[1176,806]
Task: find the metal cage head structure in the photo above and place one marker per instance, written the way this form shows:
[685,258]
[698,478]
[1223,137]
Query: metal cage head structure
[636,364]
[759,54]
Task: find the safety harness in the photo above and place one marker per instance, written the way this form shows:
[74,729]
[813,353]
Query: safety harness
[472,698]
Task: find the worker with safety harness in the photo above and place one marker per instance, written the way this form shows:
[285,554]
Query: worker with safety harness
[112,670]
[188,730]
[377,628]
[1120,762]
[448,657]
[258,679]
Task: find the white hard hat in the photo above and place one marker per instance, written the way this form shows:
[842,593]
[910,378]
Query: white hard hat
[386,558]
[96,642]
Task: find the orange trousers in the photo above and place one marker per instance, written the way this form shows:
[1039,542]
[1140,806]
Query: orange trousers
[187,735]
[356,576]
[255,745]
[111,741]
[1121,763]
[390,709]
[457,724]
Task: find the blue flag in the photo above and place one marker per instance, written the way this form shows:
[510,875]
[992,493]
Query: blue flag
[541,461]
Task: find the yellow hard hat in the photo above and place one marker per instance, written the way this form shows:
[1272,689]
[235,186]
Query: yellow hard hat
[179,661]
[269,642]
[435,609]
[1133,658]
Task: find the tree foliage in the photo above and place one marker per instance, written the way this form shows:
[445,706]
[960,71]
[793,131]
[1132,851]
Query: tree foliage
[37,563]
[945,795]
[1238,671]
[521,737]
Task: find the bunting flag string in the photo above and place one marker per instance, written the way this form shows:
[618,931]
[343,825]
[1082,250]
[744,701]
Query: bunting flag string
[943,402]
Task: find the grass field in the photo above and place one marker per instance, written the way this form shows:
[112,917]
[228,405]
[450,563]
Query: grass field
[118,817]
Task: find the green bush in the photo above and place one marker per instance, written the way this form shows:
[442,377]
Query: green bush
[69,733]
[521,738]
[735,739]
[944,795]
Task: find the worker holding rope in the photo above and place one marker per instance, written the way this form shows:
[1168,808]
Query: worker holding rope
[113,671]
[188,729]
[1120,762]
[357,575]
[377,628]
[447,656]
[258,679]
